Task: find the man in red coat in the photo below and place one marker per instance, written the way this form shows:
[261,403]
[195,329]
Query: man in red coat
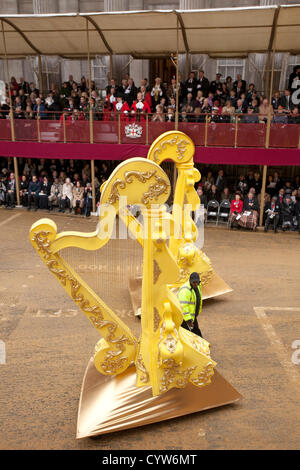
[139,108]
[121,108]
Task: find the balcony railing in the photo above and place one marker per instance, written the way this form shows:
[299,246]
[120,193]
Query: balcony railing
[206,130]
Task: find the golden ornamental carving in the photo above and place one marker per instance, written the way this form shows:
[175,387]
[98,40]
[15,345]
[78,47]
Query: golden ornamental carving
[142,369]
[206,277]
[204,377]
[156,189]
[174,376]
[157,319]
[142,176]
[170,342]
[156,271]
[180,144]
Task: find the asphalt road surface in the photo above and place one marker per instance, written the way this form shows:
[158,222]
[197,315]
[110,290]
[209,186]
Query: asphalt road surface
[253,333]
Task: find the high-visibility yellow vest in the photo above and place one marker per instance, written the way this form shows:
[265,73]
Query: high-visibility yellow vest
[187,298]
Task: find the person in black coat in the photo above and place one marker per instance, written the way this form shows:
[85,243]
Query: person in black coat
[11,191]
[294,117]
[24,191]
[203,83]
[44,193]
[250,203]
[33,193]
[272,211]
[287,213]
[213,194]
[190,86]
[297,210]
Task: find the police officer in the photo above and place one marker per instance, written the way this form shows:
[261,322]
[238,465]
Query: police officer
[190,299]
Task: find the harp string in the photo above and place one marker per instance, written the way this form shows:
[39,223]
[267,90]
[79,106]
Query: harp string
[108,271]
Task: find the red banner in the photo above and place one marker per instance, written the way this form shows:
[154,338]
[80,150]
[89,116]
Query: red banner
[212,155]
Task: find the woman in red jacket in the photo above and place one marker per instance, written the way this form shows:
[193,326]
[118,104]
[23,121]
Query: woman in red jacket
[235,210]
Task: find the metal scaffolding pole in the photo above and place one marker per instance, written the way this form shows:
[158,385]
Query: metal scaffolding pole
[264,180]
[11,117]
[91,116]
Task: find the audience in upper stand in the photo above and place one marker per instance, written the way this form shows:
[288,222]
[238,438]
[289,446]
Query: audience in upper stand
[231,98]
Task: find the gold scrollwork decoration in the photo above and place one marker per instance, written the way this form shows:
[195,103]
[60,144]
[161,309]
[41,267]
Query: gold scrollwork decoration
[156,189]
[141,368]
[173,376]
[142,176]
[204,377]
[180,144]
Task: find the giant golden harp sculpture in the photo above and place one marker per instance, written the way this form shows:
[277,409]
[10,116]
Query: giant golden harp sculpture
[167,371]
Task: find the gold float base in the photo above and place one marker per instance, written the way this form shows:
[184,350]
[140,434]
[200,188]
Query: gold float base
[109,404]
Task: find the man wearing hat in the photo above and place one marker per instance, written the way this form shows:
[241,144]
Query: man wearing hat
[190,299]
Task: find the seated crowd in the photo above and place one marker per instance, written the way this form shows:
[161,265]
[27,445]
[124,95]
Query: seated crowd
[281,201]
[219,100]
[66,185]
[51,184]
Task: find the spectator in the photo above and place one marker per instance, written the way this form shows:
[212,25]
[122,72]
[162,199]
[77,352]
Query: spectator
[241,185]
[199,100]
[202,197]
[130,92]
[233,98]
[33,193]
[87,200]
[221,182]
[40,109]
[55,196]
[213,194]
[203,83]
[208,182]
[265,110]
[225,195]
[250,117]
[272,212]
[67,196]
[190,86]
[44,193]
[77,201]
[249,217]
[286,101]
[170,117]
[23,191]
[239,85]
[216,84]
[159,115]
[229,83]
[11,192]
[235,211]
[287,213]
[250,92]
[2,189]
[280,117]
[228,111]
[276,101]
[294,117]
[297,210]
